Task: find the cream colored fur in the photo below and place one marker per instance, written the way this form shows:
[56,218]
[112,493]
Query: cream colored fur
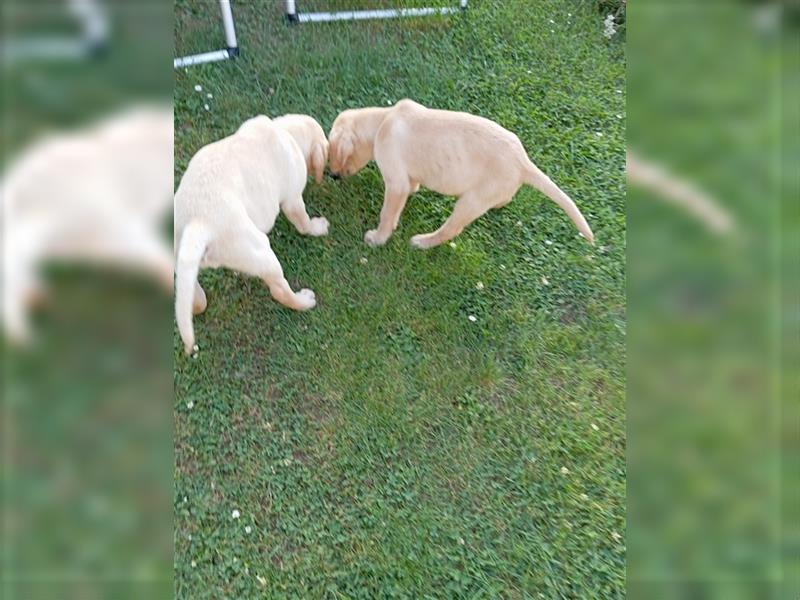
[99,194]
[452,153]
[229,199]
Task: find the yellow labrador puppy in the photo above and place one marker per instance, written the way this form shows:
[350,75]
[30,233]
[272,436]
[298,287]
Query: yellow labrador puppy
[228,200]
[98,194]
[452,153]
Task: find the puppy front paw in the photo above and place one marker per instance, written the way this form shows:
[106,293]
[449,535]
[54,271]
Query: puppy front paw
[306,299]
[319,226]
[373,238]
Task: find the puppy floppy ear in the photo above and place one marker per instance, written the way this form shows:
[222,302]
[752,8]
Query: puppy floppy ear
[342,150]
[319,157]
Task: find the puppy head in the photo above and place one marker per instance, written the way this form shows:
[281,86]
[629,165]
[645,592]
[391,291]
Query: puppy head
[310,137]
[348,152]
[318,154]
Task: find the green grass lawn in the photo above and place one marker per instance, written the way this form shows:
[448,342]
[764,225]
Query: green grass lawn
[383,444]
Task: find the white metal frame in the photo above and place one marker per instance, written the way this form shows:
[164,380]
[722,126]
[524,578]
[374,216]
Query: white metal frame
[92,40]
[231,51]
[359,15]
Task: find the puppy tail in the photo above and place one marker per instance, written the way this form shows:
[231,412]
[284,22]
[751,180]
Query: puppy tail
[194,241]
[534,177]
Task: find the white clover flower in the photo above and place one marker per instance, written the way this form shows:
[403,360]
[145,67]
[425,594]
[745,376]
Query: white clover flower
[564,471]
[609,30]
[248,529]
[479,285]
[190,404]
[595,427]
[363,260]
[548,242]
[235,514]
[472,318]
[209,95]
[545,280]
[598,133]
[198,88]
[207,107]
[194,564]
[452,244]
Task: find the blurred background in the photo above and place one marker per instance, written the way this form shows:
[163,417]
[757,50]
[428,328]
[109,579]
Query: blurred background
[712,292]
[713,314]
[86,420]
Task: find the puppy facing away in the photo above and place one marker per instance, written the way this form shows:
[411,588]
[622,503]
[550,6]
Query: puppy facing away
[453,153]
[94,195]
[228,200]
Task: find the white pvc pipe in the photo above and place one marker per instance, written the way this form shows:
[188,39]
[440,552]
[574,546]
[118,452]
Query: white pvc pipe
[217,55]
[45,48]
[227,22]
[360,15]
[96,25]
[196,59]
[95,34]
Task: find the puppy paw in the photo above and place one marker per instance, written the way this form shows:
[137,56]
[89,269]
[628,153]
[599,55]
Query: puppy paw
[319,226]
[421,241]
[307,299]
[373,238]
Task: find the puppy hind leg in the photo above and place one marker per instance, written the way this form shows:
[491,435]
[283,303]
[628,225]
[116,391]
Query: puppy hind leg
[254,256]
[301,300]
[295,211]
[199,302]
[129,244]
[469,207]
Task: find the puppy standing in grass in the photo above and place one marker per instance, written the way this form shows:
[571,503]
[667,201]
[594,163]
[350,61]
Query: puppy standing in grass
[452,153]
[228,200]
